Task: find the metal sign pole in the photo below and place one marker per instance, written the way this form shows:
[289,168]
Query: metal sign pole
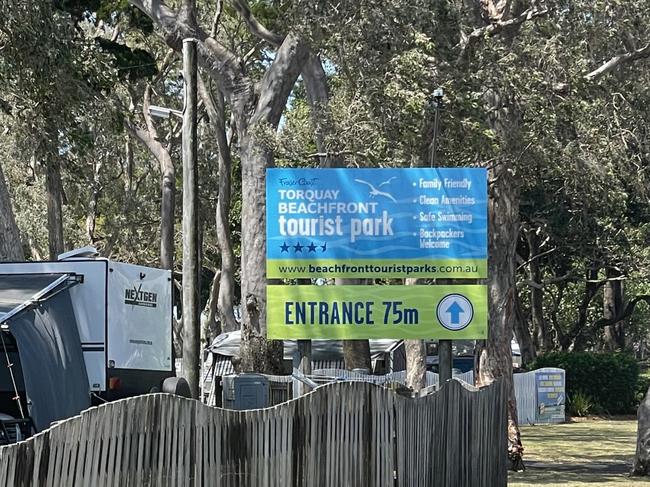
[445,356]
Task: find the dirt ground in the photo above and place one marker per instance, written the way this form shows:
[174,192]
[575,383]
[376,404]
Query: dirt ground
[586,452]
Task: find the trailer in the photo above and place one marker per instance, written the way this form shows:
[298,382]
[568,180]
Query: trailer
[77,332]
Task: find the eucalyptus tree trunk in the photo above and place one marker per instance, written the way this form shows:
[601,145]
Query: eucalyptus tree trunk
[210,326]
[93,204]
[416,364]
[356,354]
[167,211]
[54,190]
[613,304]
[641,464]
[494,355]
[257,353]
[541,328]
[11,248]
[522,334]
[224,303]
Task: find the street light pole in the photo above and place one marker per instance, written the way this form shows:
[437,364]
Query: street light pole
[191,283]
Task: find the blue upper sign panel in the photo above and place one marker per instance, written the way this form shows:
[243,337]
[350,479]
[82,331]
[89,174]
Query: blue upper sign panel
[417,222]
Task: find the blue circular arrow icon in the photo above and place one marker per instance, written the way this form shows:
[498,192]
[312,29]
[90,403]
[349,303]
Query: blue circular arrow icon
[455,312]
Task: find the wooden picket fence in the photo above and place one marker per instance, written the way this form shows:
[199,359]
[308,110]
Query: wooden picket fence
[340,435]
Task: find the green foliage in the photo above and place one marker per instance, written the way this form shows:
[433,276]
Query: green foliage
[643,384]
[609,379]
[130,63]
[580,404]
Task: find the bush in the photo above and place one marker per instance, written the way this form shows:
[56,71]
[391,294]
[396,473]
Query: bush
[580,404]
[609,379]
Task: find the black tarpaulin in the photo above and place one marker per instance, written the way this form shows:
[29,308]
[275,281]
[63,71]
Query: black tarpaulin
[50,352]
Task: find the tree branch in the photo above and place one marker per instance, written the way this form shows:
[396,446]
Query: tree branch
[468,41]
[617,61]
[221,63]
[627,312]
[254,25]
[217,18]
[279,79]
[146,103]
[570,277]
[535,257]
[313,76]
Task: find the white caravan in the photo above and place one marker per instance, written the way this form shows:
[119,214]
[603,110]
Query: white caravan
[80,331]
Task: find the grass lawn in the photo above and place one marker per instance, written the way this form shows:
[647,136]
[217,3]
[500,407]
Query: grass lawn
[584,453]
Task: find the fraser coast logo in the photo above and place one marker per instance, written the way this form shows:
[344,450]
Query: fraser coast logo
[137,297]
[298,181]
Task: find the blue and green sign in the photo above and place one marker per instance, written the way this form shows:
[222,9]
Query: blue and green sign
[551,396]
[417,222]
[457,312]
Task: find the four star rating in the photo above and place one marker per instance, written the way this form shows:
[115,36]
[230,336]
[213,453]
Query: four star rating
[312,247]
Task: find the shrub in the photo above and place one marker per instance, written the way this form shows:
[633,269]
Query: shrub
[609,379]
[580,404]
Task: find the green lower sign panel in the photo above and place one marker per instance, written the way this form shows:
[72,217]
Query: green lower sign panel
[360,312]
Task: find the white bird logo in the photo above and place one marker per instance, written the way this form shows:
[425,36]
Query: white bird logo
[375,192]
[387,181]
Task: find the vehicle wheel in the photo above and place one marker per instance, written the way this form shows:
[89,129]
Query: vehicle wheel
[177,386]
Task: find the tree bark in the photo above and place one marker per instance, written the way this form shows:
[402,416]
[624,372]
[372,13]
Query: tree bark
[356,354]
[226,298]
[641,464]
[522,334]
[543,337]
[613,304]
[11,248]
[494,355]
[210,326]
[257,353]
[167,212]
[93,204]
[416,364]
[315,80]
[54,190]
